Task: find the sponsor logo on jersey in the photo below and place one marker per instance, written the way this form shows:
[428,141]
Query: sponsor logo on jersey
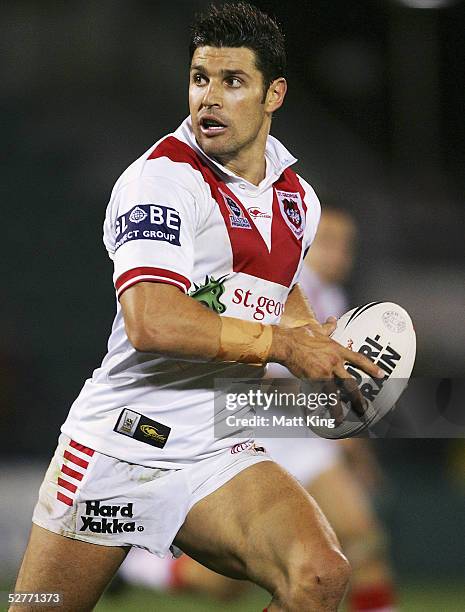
[256,213]
[129,422]
[237,217]
[148,222]
[210,292]
[102,518]
[140,427]
[290,205]
[137,215]
[151,432]
[262,305]
[385,357]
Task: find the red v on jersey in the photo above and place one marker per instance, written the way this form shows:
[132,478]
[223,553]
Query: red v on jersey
[250,253]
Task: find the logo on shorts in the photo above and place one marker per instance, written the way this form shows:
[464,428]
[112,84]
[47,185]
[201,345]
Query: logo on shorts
[241,446]
[248,445]
[100,518]
[140,427]
[290,205]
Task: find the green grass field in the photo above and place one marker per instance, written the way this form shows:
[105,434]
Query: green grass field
[428,597]
[419,597]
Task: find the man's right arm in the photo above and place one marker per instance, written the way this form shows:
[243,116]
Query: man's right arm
[159,318]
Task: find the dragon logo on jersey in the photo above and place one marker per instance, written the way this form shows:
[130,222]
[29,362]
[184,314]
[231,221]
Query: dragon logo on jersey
[290,204]
[210,292]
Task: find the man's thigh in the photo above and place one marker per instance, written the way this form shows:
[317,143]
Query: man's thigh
[254,525]
[78,570]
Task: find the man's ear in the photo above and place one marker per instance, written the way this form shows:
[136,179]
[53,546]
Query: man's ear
[275,95]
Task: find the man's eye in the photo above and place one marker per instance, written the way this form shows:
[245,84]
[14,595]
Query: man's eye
[234,82]
[199,79]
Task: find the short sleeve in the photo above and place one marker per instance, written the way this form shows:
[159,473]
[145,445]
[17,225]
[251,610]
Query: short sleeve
[151,229]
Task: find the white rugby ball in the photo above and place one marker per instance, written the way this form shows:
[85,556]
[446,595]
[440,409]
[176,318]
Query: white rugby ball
[383,332]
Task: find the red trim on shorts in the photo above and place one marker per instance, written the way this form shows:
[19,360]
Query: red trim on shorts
[82,448]
[64,498]
[70,472]
[67,485]
[77,460]
[61,482]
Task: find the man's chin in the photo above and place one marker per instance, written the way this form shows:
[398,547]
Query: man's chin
[213,148]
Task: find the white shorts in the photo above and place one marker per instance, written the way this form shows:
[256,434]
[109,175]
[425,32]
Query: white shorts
[96,498]
[304,458]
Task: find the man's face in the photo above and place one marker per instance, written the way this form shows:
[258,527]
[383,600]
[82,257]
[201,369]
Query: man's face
[226,100]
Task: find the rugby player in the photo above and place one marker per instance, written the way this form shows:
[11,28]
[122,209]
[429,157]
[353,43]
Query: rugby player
[137,462]
[328,469]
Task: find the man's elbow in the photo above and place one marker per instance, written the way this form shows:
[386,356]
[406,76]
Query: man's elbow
[142,339]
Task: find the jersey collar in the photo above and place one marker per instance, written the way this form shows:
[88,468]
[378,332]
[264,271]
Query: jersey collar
[278,158]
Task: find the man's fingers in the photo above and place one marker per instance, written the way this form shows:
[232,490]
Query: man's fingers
[362,362]
[351,390]
[330,387]
[329,326]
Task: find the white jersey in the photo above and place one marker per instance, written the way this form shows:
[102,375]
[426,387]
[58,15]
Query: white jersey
[176,216]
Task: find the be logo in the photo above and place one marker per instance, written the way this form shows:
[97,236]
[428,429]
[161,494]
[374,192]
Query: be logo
[148,222]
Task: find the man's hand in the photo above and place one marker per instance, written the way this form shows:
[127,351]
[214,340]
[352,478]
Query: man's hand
[309,353]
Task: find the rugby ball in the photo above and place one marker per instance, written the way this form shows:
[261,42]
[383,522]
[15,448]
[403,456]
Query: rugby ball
[383,332]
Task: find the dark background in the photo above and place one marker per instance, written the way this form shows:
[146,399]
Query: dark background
[375,115]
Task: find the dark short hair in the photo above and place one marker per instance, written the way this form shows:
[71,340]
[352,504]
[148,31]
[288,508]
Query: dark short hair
[239,24]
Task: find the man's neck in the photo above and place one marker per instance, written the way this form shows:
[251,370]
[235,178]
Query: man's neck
[254,175]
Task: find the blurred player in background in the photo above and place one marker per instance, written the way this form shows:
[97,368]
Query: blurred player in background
[338,474]
[138,462]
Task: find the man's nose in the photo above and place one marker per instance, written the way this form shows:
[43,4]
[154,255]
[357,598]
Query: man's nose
[213,95]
